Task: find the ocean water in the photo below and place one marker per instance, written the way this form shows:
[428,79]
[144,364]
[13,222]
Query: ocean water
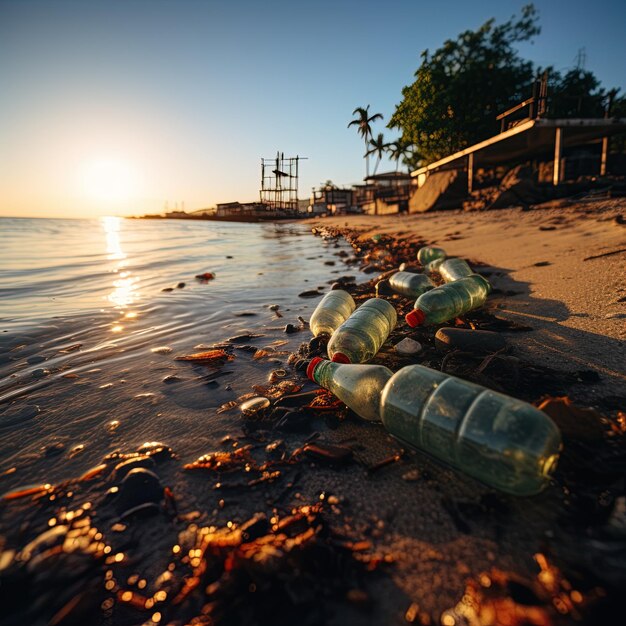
[82,309]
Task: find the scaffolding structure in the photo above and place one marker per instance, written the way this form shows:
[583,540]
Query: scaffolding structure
[279,183]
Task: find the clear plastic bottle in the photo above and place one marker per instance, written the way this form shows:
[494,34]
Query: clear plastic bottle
[501,441]
[360,337]
[411,284]
[430,253]
[453,269]
[358,386]
[449,301]
[331,312]
[433,266]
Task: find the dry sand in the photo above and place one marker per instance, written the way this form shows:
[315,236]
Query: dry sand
[576,305]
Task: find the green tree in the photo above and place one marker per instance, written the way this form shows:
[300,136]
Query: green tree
[576,94]
[363,122]
[462,86]
[377,147]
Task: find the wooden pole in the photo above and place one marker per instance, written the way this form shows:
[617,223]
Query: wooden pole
[556,175]
[603,157]
[470,172]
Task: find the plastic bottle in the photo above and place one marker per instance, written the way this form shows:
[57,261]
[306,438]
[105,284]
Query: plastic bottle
[430,253]
[453,269]
[410,284]
[360,337]
[433,266]
[448,301]
[358,386]
[501,441]
[331,312]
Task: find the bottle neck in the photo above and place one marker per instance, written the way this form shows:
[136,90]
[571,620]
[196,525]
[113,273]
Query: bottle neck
[321,371]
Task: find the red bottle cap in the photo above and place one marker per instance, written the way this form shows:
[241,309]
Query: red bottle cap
[415,318]
[340,357]
[312,365]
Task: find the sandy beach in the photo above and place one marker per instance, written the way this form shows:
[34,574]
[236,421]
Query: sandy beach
[228,505]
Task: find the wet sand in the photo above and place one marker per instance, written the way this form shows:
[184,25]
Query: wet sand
[347,527]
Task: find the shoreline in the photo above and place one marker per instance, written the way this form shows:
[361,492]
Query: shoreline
[413,537]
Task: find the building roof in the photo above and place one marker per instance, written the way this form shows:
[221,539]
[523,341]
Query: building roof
[533,137]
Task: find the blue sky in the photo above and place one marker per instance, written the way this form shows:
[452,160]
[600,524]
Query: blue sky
[178,100]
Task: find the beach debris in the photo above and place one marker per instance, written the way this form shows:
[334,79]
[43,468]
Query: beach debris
[328,453]
[383,288]
[180,285]
[155,449]
[206,358]
[205,276]
[171,378]
[161,350]
[227,406]
[276,375]
[244,337]
[224,461]
[291,328]
[408,347]
[140,490]
[394,458]
[576,422]
[475,341]
[40,372]
[311,293]
[167,289]
[26,491]
[254,405]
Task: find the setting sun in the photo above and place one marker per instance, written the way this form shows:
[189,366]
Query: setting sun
[109,180]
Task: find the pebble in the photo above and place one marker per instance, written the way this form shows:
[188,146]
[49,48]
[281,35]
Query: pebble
[311,293]
[254,405]
[180,285]
[468,340]
[408,346]
[171,378]
[168,289]
[40,373]
[140,489]
[290,329]
[35,358]
[274,307]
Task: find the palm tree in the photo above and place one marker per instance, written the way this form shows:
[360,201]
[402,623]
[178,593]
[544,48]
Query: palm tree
[363,121]
[378,147]
[400,149]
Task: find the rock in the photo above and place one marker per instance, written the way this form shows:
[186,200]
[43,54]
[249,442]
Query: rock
[290,329]
[274,307]
[180,285]
[408,346]
[171,378]
[124,467]
[168,289]
[140,489]
[40,372]
[329,262]
[479,341]
[311,293]
[254,405]
[35,358]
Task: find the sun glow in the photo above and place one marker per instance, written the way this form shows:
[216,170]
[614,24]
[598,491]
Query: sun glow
[109,181]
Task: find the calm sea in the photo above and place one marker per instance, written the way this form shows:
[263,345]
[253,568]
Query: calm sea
[82,309]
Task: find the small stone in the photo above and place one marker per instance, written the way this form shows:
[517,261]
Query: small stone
[274,307]
[168,289]
[171,378]
[311,293]
[40,373]
[479,341]
[254,405]
[329,262]
[35,358]
[140,488]
[53,449]
[408,346]
[290,329]
[180,285]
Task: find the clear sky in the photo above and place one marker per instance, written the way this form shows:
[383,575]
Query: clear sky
[117,106]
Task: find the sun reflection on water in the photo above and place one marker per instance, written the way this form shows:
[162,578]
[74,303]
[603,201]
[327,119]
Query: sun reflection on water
[124,291]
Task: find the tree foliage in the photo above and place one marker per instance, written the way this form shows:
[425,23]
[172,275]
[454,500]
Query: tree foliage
[363,122]
[461,87]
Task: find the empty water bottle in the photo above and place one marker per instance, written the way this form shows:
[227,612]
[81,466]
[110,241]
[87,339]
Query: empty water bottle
[453,269]
[331,312]
[430,253]
[360,337]
[410,284]
[433,266]
[358,386]
[501,441]
[449,301]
